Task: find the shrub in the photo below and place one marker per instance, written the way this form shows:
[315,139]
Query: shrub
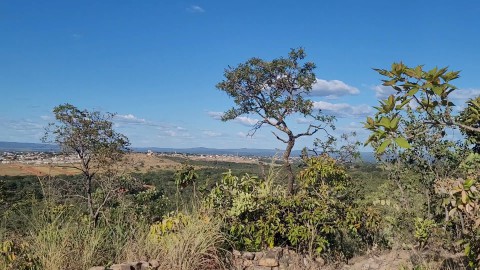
[320,217]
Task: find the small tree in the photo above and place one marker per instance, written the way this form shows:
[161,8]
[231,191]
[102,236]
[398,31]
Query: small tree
[90,135]
[429,93]
[411,123]
[274,90]
[470,116]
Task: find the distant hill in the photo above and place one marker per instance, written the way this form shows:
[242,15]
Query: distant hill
[40,147]
[28,147]
[215,151]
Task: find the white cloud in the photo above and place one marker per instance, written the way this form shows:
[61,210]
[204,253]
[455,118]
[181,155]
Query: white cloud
[332,88]
[242,134]
[303,121]
[383,92]
[18,130]
[210,133]
[244,120]
[215,115]
[195,9]
[129,119]
[462,95]
[45,117]
[343,109]
[175,133]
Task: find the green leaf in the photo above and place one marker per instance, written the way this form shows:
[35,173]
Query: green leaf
[390,83]
[394,123]
[402,142]
[370,139]
[418,72]
[438,90]
[413,91]
[400,106]
[390,103]
[385,122]
[383,146]
[468,183]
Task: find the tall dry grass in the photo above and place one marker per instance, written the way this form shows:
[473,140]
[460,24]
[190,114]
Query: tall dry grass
[198,244]
[61,241]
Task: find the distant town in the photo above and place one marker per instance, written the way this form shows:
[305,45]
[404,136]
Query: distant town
[37,158]
[55,158]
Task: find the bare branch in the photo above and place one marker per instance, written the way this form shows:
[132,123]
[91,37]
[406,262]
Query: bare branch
[278,138]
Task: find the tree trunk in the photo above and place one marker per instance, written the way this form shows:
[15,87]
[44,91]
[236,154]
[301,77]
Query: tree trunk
[288,166]
[89,192]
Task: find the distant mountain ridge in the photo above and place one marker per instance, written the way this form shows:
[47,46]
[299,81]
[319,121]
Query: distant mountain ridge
[42,147]
[28,147]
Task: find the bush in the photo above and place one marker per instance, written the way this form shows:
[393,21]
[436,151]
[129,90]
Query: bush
[321,217]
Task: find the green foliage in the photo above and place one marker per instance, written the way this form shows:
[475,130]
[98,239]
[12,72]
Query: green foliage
[470,116]
[423,230]
[186,176]
[462,201]
[17,254]
[347,152]
[275,90]
[317,219]
[90,135]
[429,92]
[272,89]
[409,129]
[149,204]
[86,133]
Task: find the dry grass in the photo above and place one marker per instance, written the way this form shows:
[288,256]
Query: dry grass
[17,169]
[137,162]
[196,245]
[61,242]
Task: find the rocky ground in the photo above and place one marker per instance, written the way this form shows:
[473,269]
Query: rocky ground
[285,259]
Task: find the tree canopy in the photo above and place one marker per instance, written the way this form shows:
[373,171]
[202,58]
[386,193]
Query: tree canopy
[274,90]
[90,135]
[428,93]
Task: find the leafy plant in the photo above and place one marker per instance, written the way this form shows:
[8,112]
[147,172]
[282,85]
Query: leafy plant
[317,219]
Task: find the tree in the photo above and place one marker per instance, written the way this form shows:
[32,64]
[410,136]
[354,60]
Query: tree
[411,124]
[274,90]
[90,135]
[426,91]
[471,116]
[345,153]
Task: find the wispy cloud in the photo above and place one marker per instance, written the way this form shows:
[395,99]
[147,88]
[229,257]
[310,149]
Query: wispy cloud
[246,121]
[179,133]
[344,109]
[210,133]
[195,9]
[459,96]
[129,119]
[332,89]
[243,120]
[215,115]
[242,134]
[382,92]
[462,95]
[21,130]
[303,121]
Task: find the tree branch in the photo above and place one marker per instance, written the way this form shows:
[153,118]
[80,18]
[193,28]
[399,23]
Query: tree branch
[278,138]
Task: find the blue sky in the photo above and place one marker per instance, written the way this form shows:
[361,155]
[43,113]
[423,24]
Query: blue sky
[156,63]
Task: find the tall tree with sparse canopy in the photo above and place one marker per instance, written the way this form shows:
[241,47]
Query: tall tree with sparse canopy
[275,90]
[90,135]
